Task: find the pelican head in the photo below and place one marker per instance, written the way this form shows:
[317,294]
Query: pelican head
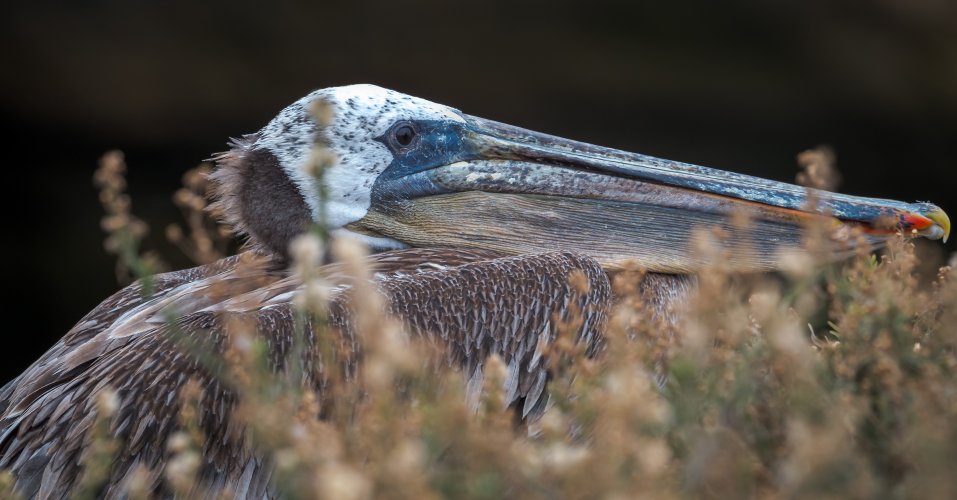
[409,172]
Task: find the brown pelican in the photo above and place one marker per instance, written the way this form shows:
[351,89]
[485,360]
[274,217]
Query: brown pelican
[477,225]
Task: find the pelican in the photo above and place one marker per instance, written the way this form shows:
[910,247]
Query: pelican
[475,226]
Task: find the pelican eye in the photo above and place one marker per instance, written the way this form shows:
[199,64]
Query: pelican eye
[403,135]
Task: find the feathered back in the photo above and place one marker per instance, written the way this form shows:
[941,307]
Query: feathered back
[472,302]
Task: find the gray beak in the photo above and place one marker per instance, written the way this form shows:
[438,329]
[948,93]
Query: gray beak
[519,191]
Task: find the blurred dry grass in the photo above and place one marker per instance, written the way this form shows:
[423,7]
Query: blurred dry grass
[826,381]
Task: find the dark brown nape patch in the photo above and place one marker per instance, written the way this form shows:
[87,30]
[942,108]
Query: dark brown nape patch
[256,197]
[271,206]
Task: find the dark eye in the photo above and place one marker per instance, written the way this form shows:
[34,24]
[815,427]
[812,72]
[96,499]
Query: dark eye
[403,135]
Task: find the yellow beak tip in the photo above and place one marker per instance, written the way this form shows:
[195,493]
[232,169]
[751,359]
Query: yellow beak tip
[941,219]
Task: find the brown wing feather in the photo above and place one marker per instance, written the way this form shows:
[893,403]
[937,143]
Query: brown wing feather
[475,303]
[506,307]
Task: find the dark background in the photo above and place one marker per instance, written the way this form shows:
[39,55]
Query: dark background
[742,85]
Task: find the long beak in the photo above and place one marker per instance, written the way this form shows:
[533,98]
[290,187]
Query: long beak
[520,191]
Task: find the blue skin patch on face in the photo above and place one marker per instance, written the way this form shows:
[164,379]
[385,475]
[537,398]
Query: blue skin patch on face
[436,143]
